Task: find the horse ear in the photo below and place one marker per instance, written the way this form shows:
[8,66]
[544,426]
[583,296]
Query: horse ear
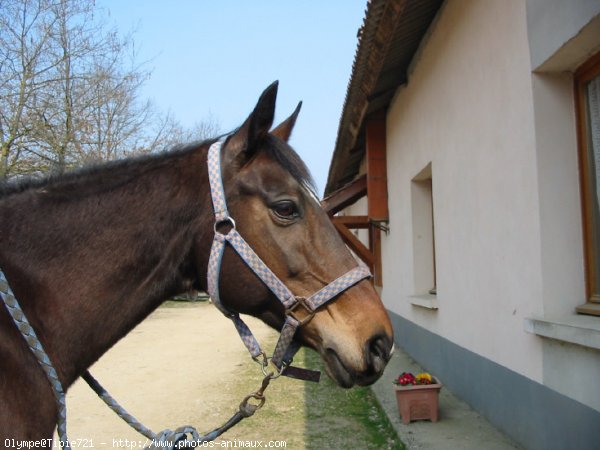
[258,123]
[284,130]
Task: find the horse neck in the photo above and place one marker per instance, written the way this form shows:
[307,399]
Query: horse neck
[88,267]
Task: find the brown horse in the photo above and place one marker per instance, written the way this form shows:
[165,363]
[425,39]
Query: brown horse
[91,253]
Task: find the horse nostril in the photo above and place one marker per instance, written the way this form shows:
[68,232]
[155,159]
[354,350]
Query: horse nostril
[378,352]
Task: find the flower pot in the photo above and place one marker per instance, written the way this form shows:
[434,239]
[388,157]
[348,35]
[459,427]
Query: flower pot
[418,402]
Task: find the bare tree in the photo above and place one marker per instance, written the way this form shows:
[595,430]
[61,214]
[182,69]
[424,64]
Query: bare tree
[24,62]
[69,90]
[176,134]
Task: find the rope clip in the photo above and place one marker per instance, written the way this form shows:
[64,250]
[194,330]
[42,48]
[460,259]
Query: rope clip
[263,360]
[248,409]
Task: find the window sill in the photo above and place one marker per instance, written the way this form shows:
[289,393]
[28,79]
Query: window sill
[575,329]
[589,308]
[426,301]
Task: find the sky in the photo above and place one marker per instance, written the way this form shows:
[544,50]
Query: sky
[212,59]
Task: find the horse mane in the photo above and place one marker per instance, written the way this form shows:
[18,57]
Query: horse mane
[107,175]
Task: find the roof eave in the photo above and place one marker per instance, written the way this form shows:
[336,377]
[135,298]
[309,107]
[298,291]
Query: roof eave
[388,39]
[375,36]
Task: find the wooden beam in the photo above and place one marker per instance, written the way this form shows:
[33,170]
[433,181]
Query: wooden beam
[345,196]
[352,221]
[376,168]
[375,241]
[355,245]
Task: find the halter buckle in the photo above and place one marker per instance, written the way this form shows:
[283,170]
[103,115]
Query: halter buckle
[300,302]
[226,221]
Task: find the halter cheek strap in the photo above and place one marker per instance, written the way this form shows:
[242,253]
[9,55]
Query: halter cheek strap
[286,347]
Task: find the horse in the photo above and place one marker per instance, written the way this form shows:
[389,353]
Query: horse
[90,253]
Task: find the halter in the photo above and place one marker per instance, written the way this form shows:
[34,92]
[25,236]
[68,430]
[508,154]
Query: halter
[286,347]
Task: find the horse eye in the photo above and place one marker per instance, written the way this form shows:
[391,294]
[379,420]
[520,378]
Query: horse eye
[285,210]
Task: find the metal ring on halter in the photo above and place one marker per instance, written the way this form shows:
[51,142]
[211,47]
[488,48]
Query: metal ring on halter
[264,362]
[223,222]
[300,302]
[273,374]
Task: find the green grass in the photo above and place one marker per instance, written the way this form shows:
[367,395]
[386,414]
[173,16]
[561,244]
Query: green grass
[340,418]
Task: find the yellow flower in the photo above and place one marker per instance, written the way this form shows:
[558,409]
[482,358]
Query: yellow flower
[423,378]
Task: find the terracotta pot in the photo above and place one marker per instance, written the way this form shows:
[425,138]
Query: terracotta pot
[419,401]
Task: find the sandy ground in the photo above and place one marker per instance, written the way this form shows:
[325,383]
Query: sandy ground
[178,367]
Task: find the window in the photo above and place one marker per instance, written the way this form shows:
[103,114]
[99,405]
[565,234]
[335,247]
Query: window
[587,85]
[423,233]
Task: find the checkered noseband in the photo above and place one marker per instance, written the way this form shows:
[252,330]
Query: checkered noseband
[286,347]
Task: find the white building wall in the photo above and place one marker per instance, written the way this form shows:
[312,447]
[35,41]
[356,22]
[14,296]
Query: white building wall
[559,32]
[561,39]
[467,109]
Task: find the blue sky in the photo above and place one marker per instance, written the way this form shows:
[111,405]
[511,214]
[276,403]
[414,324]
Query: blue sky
[214,58]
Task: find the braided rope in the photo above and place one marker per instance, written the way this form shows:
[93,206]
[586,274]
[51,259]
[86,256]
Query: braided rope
[28,333]
[166,439]
[114,405]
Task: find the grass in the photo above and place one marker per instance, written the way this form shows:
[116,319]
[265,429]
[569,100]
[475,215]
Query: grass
[339,418]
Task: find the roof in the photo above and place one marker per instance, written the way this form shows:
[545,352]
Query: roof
[387,41]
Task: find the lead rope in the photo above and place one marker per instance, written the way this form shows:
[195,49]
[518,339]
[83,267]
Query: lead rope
[185,436]
[28,333]
[182,437]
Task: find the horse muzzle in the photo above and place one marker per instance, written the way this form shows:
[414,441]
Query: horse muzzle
[349,372]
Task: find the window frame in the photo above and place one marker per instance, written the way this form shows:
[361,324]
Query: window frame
[587,72]
[423,239]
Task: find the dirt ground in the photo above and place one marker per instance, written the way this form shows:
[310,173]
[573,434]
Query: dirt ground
[185,364]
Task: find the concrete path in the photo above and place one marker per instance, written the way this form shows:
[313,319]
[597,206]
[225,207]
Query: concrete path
[459,427]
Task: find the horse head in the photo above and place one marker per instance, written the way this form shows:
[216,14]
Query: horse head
[269,193]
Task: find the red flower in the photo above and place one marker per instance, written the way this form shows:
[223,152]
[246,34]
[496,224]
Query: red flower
[405,379]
